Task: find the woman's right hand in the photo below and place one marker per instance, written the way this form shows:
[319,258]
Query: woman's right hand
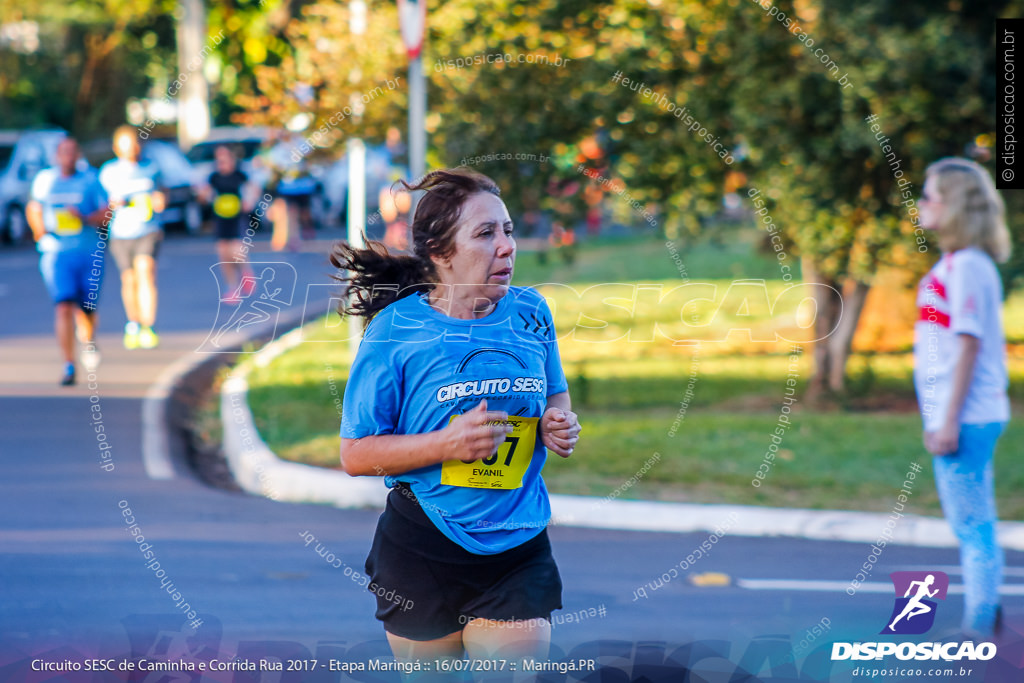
[476,434]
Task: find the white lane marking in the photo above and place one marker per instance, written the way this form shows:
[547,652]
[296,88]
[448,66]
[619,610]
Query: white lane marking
[956,569]
[837,586]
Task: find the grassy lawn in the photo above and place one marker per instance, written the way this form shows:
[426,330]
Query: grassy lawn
[632,259]
[629,393]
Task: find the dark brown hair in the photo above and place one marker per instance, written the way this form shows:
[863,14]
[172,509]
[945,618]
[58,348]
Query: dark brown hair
[376,278]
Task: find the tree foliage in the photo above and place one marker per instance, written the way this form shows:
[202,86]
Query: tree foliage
[92,56]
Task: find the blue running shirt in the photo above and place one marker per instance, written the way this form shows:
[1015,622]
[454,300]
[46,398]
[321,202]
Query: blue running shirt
[416,368]
[55,193]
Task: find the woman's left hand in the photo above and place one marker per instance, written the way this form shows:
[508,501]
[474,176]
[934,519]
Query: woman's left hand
[944,441]
[560,430]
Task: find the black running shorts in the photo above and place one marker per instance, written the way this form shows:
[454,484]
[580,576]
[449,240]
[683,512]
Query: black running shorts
[228,228]
[427,586]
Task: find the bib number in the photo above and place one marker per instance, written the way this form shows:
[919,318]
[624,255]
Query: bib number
[227,205]
[67,223]
[505,468]
[143,205]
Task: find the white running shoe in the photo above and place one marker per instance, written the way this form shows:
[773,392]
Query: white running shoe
[90,357]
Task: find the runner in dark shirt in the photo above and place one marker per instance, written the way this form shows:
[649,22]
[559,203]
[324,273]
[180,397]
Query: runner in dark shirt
[228,192]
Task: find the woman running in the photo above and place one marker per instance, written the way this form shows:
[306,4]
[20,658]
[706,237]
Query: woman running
[229,193]
[455,392]
[960,369]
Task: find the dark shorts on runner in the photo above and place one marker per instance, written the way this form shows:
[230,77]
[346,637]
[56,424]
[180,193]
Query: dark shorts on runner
[228,228]
[427,586]
[300,201]
[125,251]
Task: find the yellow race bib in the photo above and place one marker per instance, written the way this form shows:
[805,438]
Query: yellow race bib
[502,470]
[67,223]
[143,203]
[227,205]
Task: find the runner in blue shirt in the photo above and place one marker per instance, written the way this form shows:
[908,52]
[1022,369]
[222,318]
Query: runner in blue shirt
[65,209]
[455,395]
[135,233]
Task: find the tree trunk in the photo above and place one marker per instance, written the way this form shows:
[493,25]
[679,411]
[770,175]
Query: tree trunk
[841,340]
[834,327]
[97,53]
[827,307]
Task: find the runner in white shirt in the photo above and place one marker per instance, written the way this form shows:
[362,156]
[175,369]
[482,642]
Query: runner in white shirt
[960,369]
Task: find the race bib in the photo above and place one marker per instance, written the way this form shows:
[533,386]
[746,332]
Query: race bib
[66,223]
[502,470]
[227,205]
[142,203]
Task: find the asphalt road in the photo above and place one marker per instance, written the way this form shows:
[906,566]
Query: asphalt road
[74,583]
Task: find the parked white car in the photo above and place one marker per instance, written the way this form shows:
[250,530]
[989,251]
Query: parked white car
[29,153]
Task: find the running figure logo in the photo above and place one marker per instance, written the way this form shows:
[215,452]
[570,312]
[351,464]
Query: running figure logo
[257,301]
[914,613]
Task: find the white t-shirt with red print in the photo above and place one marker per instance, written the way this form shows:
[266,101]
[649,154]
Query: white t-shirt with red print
[962,294]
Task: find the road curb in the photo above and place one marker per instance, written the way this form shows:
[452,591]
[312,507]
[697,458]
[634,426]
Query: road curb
[747,520]
[170,401]
[258,470]
[157,450]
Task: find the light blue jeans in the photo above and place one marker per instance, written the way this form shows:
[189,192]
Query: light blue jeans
[967,493]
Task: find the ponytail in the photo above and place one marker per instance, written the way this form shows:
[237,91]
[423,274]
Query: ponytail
[375,278]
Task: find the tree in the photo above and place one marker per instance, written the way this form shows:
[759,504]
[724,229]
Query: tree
[925,72]
[91,57]
[505,107]
[349,85]
[670,53]
[254,38]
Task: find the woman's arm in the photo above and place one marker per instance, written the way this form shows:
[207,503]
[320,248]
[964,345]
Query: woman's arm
[391,454]
[471,436]
[559,426]
[947,438]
